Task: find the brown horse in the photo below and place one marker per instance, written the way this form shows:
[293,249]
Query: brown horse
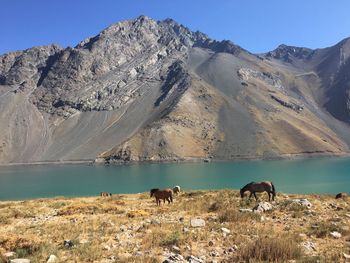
[254,187]
[105,194]
[164,194]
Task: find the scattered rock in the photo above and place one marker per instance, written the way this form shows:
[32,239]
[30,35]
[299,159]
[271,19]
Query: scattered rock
[155,222]
[290,105]
[185,230]
[302,202]
[262,207]
[138,253]
[214,253]
[346,256]
[52,259]
[122,228]
[211,243]
[309,246]
[193,259]
[20,260]
[225,230]
[335,234]
[68,243]
[197,222]
[245,210]
[9,254]
[171,257]
[176,249]
[231,249]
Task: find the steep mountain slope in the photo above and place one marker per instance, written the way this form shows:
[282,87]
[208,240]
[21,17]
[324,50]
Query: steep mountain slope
[154,90]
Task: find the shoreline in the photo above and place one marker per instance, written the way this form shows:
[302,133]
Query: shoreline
[287,156]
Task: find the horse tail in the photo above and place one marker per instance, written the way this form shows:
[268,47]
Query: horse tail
[273,189]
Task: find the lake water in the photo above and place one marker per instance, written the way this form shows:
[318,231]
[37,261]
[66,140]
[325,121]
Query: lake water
[326,175]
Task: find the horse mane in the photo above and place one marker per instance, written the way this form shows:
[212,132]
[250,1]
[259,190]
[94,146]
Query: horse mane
[247,185]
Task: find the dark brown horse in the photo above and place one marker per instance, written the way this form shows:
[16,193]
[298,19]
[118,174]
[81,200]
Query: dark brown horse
[162,194]
[254,187]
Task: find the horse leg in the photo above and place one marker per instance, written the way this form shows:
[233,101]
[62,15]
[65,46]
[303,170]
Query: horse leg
[269,195]
[256,199]
[250,196]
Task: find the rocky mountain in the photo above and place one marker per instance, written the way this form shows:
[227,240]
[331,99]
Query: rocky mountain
[154,90]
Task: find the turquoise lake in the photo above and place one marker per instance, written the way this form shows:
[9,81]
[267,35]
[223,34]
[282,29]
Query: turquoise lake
[324,175]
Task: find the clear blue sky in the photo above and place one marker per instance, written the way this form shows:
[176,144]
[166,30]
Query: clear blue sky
[256,25]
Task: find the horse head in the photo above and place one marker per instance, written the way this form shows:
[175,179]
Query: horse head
[152,191]
[241,191]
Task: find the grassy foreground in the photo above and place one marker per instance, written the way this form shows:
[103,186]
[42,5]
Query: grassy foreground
[131,228]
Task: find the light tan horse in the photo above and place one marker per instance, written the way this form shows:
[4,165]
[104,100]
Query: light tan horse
[162,194]
[176,189]
[254,187]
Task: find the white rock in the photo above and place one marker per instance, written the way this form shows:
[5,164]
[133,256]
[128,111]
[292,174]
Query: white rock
[197,222]
[20,260]
[346,256]
[335,234]
[225,230]
[245,210]
[309,246]
[9,254]
[262,207]
[302,202]
[176,249]
[52,259]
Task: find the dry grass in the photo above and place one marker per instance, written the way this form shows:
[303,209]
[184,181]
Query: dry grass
[122,228]
[272,249]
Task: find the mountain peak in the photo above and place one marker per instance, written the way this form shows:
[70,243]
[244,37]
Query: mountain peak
[290,53]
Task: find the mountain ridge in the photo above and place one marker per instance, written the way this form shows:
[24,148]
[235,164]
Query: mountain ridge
[146,90]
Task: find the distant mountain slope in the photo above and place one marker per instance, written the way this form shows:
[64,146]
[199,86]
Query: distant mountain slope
[154,90]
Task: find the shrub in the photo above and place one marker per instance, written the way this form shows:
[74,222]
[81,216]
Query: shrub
[323,229]
[232,215]
[171,239]
[272,249]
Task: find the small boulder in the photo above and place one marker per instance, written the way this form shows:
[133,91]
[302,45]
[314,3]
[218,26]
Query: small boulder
[52,259]
[245,210]
[176,249]
[197,222]
[20,260]
[155,222]
[262,207]
[309,246]
[9,254]
[302,202]
[214,253]
[225,230]
[193,259]
[335,234]
[68,243]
